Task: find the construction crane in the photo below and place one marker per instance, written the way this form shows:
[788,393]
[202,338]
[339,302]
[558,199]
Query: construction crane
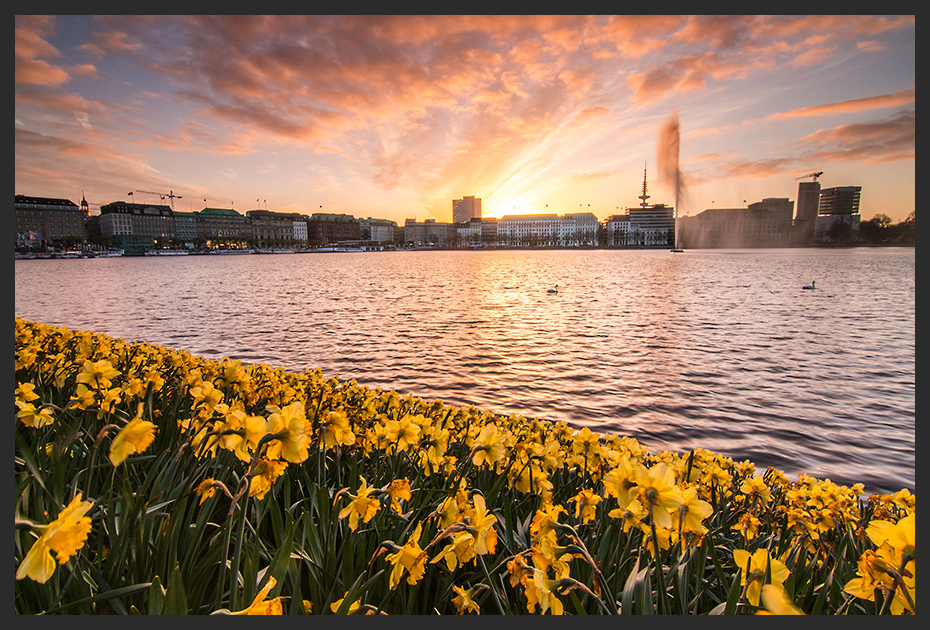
[814,175]
[170,195]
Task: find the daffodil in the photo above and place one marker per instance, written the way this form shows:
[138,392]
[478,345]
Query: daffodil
[459,551]
[354,606]
[133,438]
[692,512]
[410,559]
[29,415]
[25,392]
[97,374]
[775,601]
[659,493]
[756,487]
[488,446]
[397,490]
[541,591]
[757,564]
[64,536]
[266,473]
[83,397]
[205,489]
[621,482]
[289,428]
[464,601]
[402,434]
[206,398]
[586,505]
[363,506]
[261,606]
[480,523]
[336,430]
[631,515]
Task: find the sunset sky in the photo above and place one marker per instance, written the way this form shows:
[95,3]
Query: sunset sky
[395,116]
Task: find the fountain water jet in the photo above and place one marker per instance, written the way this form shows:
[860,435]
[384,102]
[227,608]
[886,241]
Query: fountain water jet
[669,145]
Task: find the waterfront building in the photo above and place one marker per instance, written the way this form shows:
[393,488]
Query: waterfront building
[430,233]
[381,230]
[42,221]
[325,228]
[528,229]
[414,233]
[469,233]
[577,228]
[766,223]
[839,204]
[185,225]
[617,227]
[647,226]
[137,219]
[466,209]
[548,229]
[270,228]
[223,225]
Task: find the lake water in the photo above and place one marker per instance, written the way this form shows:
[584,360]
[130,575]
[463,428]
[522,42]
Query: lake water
[718,349]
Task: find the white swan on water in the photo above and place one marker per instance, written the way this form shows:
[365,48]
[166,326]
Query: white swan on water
[809,286]
[555,290]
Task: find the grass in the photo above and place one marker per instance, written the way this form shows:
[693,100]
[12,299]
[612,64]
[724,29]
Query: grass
[215,487]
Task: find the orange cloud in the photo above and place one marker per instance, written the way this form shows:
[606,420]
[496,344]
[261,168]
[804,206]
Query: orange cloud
[874,141]
[904,97]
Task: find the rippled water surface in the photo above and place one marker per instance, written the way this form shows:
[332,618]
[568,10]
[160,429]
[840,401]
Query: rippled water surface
[718,349]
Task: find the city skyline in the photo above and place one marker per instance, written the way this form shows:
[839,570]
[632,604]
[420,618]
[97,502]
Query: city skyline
[396,116]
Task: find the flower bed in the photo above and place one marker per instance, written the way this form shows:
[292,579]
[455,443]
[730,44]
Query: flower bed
[152,481]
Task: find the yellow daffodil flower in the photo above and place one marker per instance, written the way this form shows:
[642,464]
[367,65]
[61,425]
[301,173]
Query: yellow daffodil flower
[488,446]
[336,430]
[364,505]
[97,374]
[621,481]
[397,490]
[692,512]
[586,505]
[32,417]
[464,601]
[354,606]
[757,563]
[135,437]
[25,392]
[289,426]
[658,492]
[775,601]
[410,559]
[459,551]
[64,536]
[266,473]
[205,489]
[632,515]
[260,606]
[83,397]
[402,434]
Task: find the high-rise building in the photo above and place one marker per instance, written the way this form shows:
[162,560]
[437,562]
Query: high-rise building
[808,201]
[839,200]
[839,204]
[466,209]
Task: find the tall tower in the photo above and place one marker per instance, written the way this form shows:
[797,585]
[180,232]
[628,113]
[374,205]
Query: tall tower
[644,196]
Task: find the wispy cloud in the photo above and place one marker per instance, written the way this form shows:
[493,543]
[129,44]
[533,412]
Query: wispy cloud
[904,97]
